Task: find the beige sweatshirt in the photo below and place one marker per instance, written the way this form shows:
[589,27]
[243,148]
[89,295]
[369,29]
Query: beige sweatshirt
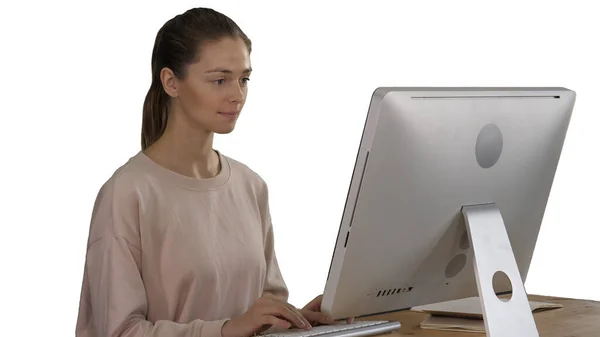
[173,256]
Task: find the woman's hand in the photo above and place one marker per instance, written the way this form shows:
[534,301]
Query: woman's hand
[265,312]
[312,312]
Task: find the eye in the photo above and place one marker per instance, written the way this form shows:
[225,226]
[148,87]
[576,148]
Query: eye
[219,81]
[245,80]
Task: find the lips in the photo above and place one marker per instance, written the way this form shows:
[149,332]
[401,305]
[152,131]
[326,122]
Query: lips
[228,113]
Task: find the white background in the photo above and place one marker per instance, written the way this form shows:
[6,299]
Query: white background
[74,76]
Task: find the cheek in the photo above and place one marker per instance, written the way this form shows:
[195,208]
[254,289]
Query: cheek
[199,100]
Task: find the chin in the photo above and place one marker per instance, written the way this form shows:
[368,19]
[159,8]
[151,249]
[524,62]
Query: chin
[223,130]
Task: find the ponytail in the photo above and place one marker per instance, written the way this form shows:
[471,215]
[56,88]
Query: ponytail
[154,120]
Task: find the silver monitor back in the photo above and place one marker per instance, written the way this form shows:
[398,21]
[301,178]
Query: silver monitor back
[424,154]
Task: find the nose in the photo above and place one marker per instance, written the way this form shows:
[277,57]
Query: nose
[236,93]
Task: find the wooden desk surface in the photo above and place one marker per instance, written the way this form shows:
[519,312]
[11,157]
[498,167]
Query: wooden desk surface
[577,318]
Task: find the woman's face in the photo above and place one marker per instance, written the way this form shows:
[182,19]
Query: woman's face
[213,91]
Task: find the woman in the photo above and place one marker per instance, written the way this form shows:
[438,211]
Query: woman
[181,241]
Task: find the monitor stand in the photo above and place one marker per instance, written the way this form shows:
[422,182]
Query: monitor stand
[493,257]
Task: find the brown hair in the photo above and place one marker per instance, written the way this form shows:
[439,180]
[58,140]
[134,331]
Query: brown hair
[178,44]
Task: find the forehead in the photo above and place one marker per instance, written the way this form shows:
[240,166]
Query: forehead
[231,54]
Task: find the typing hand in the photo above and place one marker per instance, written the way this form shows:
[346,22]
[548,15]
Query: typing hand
[312,313]
[266,312]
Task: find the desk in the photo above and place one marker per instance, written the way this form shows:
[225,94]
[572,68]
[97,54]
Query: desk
[577,318]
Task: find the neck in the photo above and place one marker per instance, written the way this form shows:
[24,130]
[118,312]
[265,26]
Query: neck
[186,151]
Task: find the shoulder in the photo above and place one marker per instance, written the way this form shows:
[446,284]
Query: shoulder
[118,202]
[126,181]
[246,176]
[244,170]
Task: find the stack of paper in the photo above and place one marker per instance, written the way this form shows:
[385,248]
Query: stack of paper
[464,315]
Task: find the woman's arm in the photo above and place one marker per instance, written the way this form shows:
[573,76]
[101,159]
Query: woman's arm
[117,300]
[274,284]
[114,302]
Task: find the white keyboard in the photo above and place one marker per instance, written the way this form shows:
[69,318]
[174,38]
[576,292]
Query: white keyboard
[355,329]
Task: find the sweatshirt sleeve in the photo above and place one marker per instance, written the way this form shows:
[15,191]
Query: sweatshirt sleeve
[274,283]
[114,302]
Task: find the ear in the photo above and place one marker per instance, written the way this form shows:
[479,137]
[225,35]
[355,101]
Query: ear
[169,82]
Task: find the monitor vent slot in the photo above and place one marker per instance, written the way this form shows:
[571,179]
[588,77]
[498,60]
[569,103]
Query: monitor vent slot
[393,291]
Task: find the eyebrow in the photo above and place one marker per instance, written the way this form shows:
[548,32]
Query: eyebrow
[227,71]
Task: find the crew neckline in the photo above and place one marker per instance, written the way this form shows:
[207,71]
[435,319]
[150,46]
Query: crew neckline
[189,182]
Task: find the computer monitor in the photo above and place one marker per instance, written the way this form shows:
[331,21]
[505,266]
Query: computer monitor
[448,193]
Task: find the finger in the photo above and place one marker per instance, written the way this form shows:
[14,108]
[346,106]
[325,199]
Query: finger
[274,321]
[307,325]
[280,309]
[289,312]
[350,320]
[319,317]
[298,313]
